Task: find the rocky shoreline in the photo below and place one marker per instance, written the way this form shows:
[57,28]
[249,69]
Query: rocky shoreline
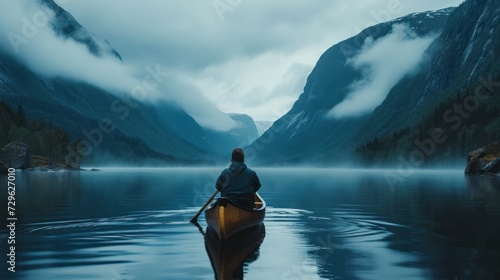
[16,155]
[484,161]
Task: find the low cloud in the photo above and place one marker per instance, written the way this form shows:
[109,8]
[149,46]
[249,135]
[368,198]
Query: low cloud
[29,38]
[384,63]
[265,95]
[194,103]
[245,52]
[26,35]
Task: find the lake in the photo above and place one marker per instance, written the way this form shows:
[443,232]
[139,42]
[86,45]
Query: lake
[320,224]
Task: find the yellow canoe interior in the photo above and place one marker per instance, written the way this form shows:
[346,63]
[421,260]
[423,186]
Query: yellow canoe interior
[227,219]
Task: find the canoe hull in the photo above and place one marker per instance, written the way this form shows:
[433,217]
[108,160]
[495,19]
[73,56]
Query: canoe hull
[229,256]
[226,218]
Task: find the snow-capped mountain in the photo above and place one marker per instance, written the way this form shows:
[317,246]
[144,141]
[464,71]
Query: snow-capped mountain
[458,69]
[308,132]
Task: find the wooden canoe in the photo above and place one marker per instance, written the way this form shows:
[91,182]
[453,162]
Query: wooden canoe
[229,256]
[226,218]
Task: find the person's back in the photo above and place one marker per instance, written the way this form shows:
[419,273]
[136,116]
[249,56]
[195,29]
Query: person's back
[238,182]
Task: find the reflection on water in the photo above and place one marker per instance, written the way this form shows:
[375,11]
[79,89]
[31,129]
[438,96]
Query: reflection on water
[228,257]
[320,224]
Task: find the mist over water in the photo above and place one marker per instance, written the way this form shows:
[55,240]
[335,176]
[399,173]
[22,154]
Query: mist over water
[128,223]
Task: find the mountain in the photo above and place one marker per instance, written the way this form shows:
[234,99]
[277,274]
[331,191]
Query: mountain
[245,133]
[454,95]
[84,110]
[66,26]
[219,142]
[306,133]
[263,126]
[112,127]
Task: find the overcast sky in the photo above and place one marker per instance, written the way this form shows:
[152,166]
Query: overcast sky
[246,56]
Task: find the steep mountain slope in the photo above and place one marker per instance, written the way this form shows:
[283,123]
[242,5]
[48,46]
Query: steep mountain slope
[465,53]
[263,126]
[245,133]
[65,25]
[457,93]
[80,109]
[305,133]
[221,143]
[113,126]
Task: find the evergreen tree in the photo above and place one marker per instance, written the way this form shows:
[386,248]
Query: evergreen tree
[20,117]
[48,141]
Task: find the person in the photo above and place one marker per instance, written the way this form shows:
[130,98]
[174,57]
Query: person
[238,182]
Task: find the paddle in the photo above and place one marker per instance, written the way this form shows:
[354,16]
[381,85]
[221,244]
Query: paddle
[193,220]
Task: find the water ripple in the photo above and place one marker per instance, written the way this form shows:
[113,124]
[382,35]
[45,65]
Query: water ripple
[172,217]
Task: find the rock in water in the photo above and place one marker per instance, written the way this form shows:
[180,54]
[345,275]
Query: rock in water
[73,162]
[492,167]
[486,159]
[15,155]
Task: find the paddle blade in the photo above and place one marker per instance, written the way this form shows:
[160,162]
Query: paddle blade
[194,220]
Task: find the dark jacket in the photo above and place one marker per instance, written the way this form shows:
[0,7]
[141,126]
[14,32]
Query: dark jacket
[239,184]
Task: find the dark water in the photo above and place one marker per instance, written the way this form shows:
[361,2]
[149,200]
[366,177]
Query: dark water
[320,224]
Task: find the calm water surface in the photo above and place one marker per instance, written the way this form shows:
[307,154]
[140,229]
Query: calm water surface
[320,224]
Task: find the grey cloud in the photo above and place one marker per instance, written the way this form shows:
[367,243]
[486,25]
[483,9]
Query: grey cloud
[52,56]
[189,37]
[189,98]
[385,62]
[186,37]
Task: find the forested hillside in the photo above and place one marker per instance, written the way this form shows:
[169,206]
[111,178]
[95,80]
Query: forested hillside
[457,126]
[42,138]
